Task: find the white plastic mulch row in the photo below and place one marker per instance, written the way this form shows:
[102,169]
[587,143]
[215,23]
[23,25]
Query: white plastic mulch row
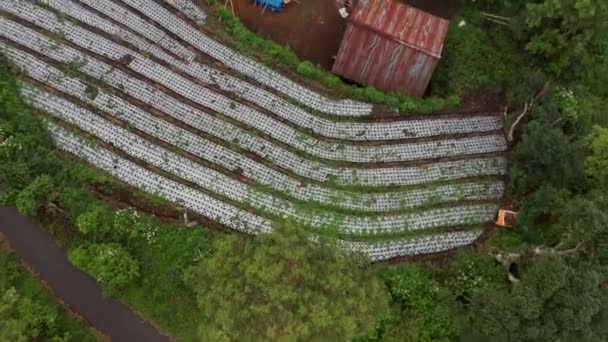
[153,183]
[354,131]
[187,141]
[304,167]
[189,9]
[278,130]
[271,102]
[232,217]
[239,192]
[247,66]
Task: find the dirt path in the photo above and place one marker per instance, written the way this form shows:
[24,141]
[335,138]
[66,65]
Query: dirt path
[76,289]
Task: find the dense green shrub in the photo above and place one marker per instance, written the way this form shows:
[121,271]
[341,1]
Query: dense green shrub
[477,57]
[280,286]
[596,163]
[554,302]
[470,272]
[28,311]
[34,195]
[426,308]
[109,263]
[545,156]
[539,213]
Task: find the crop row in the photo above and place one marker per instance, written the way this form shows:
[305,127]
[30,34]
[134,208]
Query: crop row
[307,168]
[231,216]
[270,102]
[237,191]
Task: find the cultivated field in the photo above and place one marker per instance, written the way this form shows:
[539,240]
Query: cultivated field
[134,89]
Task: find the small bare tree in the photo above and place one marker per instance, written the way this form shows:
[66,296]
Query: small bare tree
[528,106]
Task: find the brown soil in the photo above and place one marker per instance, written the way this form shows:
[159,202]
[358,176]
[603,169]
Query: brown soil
[313,29]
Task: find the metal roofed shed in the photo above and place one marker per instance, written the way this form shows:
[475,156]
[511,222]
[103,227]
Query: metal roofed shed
[391,46]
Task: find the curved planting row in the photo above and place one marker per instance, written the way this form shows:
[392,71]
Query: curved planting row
[285,115]
[230,216]
[119,80]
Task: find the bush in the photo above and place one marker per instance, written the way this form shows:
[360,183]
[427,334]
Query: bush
[34,195]
[427,309]
[109,263]
[545,156]
[280,286]
[93,222]
[536,220]
[28,311]
[471,272]
[475,57]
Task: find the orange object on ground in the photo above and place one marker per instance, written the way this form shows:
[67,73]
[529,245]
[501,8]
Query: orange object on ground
[506,218]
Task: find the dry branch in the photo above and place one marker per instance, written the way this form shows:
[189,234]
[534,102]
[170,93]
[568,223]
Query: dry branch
[528,105]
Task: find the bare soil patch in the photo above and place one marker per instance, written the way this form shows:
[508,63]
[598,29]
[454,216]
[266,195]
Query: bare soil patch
[313,29]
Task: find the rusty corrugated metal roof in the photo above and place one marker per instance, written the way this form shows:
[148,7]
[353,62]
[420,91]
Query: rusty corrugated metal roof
[391,46]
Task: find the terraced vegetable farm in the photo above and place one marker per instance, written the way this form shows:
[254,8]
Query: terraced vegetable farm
[133,88]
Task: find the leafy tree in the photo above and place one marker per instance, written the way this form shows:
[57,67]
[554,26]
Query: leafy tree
[564,32]
[125,225]
[553,302]
[93,222]
[545,156]
[426,308]
[34,195]
[540,211]
[281,287]
[471,271]
[21,319]
[109,263]
[584,226]
[129,225]
[596,164]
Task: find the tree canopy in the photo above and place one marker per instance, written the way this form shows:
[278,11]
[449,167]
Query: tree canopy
[283,287]
[554,302]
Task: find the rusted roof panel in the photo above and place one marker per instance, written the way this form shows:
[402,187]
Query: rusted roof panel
[391,46]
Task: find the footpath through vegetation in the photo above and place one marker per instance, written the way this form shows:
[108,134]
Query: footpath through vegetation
[73,287]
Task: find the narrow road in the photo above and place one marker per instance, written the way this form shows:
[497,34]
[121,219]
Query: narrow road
[75,288]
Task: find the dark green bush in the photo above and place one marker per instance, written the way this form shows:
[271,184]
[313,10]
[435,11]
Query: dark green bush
[545,156]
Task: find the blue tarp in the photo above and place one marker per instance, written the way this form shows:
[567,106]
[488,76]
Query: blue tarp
[275,5]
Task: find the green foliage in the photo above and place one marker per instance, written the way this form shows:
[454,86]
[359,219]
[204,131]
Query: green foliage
[426,308]
[281,287]
[93,222]
[110,264]
[161,292]
[553,302]
[129,225]
[28,312]
[536,221]
[470,272]
[596,163]
[561,33]
[578,110]
[476,57]
[34,195]
[545,157]
[21,319]
[584,220]
[125,225]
